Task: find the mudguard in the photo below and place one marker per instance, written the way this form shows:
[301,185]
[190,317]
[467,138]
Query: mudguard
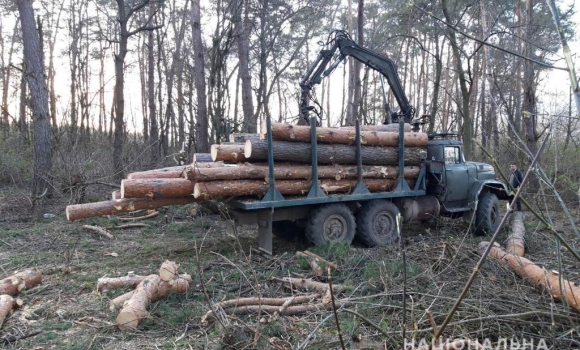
[499,188]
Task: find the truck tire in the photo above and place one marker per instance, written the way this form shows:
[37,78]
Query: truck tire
[377,223]
[487,215]
[286,229]
[330,223]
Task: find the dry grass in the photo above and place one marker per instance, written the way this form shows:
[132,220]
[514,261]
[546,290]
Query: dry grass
[65,312]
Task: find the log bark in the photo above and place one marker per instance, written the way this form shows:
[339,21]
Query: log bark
[12,285]
[515,242]
[382,127]
[298,171]
[157,174]
[156,188]
[190,170]
[7,304]
[301,133]
[202,158]
[332,154]
[228,153]
[119,206]
[168,270]
[545,281]
[243,137]
[224,189]
[129,281]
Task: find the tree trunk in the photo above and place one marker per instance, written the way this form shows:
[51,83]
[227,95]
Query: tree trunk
[119,206]
[515,242]
[135,309]
[202,158]
[156,188]
[163,173]
[250,124]
[331,154]
[224,189]
[228,153]
[545,281]
[201,131]
[298,171]
[38,99]
[301,133]
[7,304]
[154,130]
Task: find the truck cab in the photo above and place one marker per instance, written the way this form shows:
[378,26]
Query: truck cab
[462,188]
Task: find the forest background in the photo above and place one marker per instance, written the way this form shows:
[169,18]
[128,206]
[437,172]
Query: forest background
[132,84]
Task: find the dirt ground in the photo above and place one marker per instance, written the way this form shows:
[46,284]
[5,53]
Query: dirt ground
[66,312]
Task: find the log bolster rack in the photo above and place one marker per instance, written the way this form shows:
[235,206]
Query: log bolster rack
[262,212]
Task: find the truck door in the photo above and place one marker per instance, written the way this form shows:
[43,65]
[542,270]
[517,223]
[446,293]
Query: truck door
[456,177]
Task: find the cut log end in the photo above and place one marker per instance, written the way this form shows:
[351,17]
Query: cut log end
[168,270]
[214,152]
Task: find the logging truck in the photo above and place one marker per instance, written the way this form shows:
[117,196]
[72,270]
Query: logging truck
[446,184]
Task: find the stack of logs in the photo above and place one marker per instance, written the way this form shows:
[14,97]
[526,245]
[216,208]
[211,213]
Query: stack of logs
[239,168]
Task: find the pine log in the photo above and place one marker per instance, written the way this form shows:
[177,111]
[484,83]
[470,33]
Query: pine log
[228,153]
[163,173]
[202,158]
[301,133]
[135,309]
[156,188]
[515,242]
[243,137]
[190,170]
[7,304]
[12,285]
[545,281]
[118,206]
[300,152]
[382,127]
[224,189]
[129,281]
[299,171]
[168,270]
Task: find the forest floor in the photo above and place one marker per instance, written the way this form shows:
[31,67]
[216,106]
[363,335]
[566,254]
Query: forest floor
[66,312]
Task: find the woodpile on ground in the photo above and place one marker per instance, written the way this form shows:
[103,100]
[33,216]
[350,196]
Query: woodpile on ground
[11,286]
[133,304]
[239,168]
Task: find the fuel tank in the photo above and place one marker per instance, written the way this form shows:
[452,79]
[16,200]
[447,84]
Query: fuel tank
[420,208]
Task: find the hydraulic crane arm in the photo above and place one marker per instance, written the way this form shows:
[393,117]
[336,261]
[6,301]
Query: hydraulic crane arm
[347,47]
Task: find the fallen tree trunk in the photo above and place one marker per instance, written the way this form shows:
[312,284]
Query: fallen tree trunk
[301,133]
[7,304]
[515,242]
[119,206]
[300,152]
[228,153]
[243,137]
[202,158]
[224,189]
[299,171]
[12,285]
[156,188]
[545,281]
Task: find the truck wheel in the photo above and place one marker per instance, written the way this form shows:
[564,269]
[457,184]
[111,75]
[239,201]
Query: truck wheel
[330,223]
[487,216]
[377,223]
[286,229]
